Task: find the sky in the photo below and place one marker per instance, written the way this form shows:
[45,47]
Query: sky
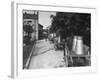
[44,18]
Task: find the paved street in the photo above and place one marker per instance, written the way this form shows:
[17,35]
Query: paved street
[44,56]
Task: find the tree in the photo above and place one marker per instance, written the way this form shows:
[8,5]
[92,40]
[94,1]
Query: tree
[71,24]
[28,29]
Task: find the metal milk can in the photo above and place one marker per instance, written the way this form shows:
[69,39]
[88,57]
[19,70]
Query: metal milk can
[79,46]
[74,43]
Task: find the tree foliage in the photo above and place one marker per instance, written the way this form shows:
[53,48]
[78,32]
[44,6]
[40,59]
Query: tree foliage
[27,28]
[68,24]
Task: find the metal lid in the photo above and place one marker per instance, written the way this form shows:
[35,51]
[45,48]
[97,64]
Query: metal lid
[75,37]
[79,37]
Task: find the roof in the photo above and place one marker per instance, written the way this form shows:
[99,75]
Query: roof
[40,27]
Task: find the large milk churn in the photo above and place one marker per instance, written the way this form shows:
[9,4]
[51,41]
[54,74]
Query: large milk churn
[79,46]
[59,39]
[74,43]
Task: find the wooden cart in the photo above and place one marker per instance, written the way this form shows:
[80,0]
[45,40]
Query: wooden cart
[73,59]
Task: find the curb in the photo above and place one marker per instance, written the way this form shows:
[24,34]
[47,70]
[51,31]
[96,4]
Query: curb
[29,59]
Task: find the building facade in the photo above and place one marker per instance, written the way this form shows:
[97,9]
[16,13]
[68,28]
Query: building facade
[31,19]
